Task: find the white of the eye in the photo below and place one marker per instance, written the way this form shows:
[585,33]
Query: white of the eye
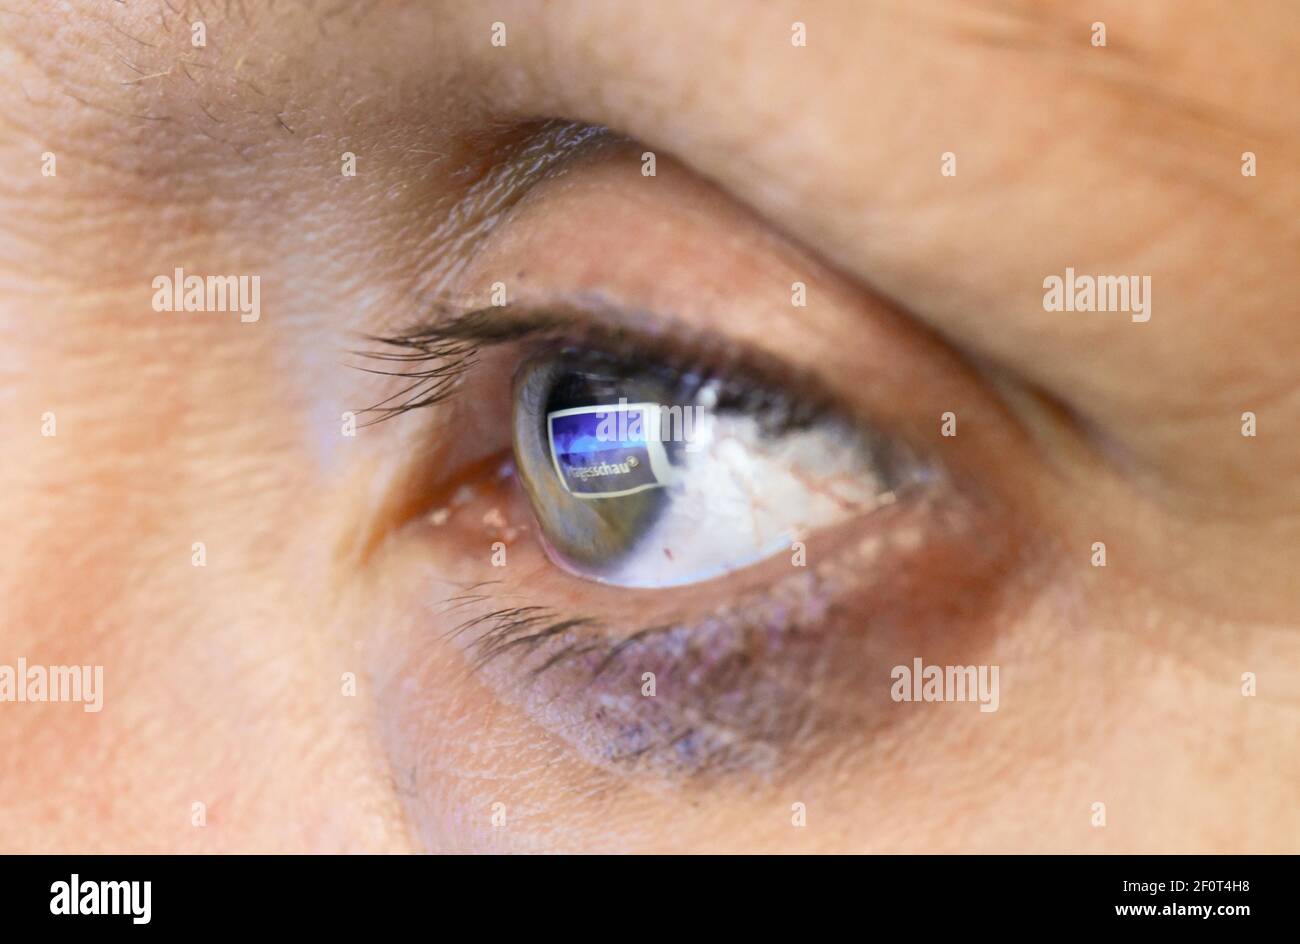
[741,497]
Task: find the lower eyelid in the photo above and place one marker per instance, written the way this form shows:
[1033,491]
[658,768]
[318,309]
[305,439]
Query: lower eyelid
[739,685]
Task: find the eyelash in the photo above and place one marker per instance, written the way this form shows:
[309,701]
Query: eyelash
[509,628]
[438,355]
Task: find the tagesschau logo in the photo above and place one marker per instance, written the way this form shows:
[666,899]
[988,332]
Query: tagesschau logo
[615,449]
[608,451]
[76,897]
[606,468]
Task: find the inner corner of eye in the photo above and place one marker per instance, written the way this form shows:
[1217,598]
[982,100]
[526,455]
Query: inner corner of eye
[643,476]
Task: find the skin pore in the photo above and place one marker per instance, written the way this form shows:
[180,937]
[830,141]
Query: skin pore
[775,163]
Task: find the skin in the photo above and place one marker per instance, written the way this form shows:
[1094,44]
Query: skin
[224,683]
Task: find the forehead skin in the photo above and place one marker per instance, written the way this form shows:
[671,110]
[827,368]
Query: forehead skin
[1124,159]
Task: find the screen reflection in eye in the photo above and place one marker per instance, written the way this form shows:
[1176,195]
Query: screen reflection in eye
[642,475]
[615,450]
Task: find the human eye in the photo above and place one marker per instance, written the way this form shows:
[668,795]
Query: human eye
[657,473]
[762,569]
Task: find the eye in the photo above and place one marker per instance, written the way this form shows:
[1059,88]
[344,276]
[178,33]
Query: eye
[815,424]
[551,577]
[654,475]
